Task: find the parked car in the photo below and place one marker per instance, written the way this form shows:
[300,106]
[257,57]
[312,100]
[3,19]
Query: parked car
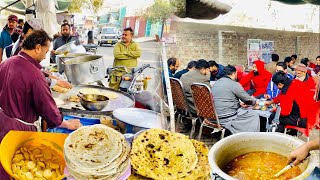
[108,35]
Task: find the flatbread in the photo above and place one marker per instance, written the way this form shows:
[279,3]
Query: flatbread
[60,89]
[202,169]
[93,147]
[89,91]
[161,154]
[110,95]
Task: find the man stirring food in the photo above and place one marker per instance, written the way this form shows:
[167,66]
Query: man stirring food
[24,92]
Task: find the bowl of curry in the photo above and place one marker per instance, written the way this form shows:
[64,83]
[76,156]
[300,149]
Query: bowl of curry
[259,155]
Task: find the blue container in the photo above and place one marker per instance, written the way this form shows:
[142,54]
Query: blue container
[84,121]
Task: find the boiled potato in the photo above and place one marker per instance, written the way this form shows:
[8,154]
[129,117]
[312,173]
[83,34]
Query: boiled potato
[42,163]
[47,173]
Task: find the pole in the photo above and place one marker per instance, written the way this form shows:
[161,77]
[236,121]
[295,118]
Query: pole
[168,87]
[29,3]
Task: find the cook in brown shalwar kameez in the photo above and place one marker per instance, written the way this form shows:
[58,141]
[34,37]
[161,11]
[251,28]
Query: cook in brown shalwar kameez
[24,92]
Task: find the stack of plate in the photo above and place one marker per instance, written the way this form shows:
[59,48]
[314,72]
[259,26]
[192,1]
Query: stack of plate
[96,152]
[160,154]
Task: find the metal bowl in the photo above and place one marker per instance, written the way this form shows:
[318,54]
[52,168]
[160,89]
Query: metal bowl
[94,102]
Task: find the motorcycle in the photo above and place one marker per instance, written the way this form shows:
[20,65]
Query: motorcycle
[135,83]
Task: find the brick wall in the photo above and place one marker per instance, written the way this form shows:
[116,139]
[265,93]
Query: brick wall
[195,41]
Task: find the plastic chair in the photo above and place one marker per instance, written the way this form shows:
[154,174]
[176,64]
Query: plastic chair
[180,101]
[312,122]
[204,104]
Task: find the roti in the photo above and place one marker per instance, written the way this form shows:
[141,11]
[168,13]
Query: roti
[202,169]
[161,154]
[110,95]
[93,147]
[89,91]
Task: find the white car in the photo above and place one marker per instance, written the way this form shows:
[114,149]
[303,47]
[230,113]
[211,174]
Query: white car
[108,35]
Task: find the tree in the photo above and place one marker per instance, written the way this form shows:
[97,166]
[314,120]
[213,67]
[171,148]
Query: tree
[76,6]
[161,10]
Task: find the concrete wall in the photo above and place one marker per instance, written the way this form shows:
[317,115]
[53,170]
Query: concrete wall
[228,44]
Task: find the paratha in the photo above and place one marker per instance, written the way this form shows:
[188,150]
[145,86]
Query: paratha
[108,170]
[110,95]
[93,147]
[202,169]
[161,154]
[89,91]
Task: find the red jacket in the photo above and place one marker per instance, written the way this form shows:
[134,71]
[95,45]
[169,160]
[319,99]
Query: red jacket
[310,85]
[259,81]
[297,92]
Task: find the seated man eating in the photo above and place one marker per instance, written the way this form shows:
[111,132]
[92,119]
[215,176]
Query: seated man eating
[296,103]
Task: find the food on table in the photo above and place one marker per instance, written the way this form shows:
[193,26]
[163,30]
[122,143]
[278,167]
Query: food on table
[96,152]
[60,89]
[74,98]
[161,154]
[89,91]
[109,94]
[263,108]
[37,162]
[260,165]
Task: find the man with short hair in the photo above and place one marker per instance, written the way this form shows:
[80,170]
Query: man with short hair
[216,70]
[296,104]
[5,36]
[289,62]
[317,66]
[127,51]
[199,75]
[20,24]
[191,66]
[271,67]
[295,61]
[226,94]
[272,90]
[173,65]
[24,92]
[63,39]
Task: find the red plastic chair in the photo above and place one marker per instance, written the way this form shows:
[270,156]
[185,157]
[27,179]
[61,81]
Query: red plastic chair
[312,122]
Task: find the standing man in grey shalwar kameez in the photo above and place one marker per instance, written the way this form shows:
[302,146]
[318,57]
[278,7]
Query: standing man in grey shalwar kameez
[226,94]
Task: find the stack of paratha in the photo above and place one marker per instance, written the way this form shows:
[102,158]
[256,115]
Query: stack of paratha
[161,154]
[96,152]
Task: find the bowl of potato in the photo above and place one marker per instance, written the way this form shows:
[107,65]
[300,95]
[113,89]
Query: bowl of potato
[33,155]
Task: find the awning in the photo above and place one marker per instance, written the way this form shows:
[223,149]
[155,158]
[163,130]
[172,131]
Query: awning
[62,4]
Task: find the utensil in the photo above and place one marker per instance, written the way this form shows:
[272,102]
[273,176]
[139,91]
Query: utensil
[93,102]
[85,69]
[289,166]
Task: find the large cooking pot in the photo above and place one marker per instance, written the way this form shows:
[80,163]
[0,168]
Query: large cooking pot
[235,145]
[63,58]
[85,69]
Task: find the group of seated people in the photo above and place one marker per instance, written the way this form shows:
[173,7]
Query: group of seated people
[234,90]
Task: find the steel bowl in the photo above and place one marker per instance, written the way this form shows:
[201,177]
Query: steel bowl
[93,102]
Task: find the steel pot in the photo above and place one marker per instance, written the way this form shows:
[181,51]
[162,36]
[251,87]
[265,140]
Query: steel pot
[85,69]
[61,57]
[235,145]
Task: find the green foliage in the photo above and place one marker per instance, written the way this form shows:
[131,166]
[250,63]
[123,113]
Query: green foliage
[158,11]
[76,6]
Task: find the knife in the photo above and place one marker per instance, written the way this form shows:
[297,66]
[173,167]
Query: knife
[289,166]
